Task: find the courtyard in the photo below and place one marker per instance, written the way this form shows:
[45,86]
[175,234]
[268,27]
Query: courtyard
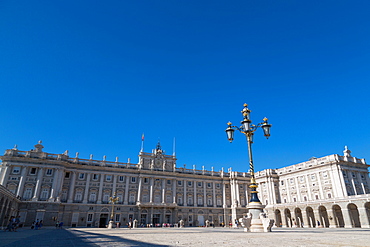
[191,236]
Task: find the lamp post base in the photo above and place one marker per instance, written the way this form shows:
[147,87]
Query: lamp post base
[255,209]
[110,224]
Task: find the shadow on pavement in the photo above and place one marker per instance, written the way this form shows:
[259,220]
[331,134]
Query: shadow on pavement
[107,240]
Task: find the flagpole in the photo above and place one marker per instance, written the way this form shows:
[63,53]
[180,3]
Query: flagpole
[142,142]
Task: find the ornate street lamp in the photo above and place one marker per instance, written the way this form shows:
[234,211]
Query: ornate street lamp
[113,199]
[247,128]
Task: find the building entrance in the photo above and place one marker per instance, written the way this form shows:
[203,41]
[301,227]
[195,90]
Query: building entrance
[156,219]
[103,220]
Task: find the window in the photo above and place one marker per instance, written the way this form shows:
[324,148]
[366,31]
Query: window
[305,198]
[44,193]
[282,182]
[189,183]
[118,217]
[179,182]
[291,181]
[133,179]
[89,217]
[49,172]
[27,193]
[344,174]
[146,180]
[78,196]
[218,186]
[209,185]
[92,197]
[199,184]
[329,195]
[108,177]
[353,175]
[95,177]
[68,174]
[179,200]
[168,181]
[317,197]
[294,199]
[16,170]
[33,171]
[81,176]
[91,208]
[121,178]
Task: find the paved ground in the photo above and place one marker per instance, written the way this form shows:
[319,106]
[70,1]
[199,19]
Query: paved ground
[154,237]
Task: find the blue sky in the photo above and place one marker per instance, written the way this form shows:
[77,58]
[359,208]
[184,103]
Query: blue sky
[91,77]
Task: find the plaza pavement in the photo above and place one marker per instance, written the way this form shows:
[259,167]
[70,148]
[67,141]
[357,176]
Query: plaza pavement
[191,236]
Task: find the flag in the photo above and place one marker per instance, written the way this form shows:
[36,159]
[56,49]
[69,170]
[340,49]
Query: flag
[142,137]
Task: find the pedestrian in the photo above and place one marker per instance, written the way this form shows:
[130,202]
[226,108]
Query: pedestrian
[61,225]
[57,225]
[37,224]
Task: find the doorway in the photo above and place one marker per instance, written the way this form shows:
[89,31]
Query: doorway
[103,220]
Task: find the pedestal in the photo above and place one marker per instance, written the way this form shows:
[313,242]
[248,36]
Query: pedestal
[110,224]
[256,208]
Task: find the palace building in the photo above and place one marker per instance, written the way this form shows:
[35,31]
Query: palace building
[332,191]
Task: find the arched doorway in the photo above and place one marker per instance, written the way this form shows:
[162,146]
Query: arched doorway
[310,217]
[323,216]
[278,221]
[354,215]
[338,216]
[298,217]
[288,218]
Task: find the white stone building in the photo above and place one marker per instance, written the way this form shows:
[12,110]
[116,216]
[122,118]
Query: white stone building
[333,190]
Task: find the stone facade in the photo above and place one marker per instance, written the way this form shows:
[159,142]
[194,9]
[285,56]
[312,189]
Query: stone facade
[333,190]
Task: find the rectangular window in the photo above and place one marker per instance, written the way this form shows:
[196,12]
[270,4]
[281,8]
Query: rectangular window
[81,176]
[68,174]
[218,186]
[108,177]
[17,170]
[146,180]
[89,217]
[168,181]
[209,185]
[189,183]
[118,217]
[133,179]
[95,177]
[33,171]
[49,172]
[199,184]
[121,178]
[179,182]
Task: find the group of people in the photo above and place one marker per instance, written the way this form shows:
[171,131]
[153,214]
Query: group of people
[59,225]
[13,224]
[37,224]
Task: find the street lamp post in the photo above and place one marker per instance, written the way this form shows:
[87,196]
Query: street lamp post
[247,128]
[113,199]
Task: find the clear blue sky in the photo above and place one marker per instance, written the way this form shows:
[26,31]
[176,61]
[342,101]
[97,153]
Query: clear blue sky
[93,76]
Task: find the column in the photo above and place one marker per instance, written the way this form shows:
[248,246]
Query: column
[139,190]
[304,219]
[59,185]
[320,186]
[353,184]
[299,199]
[204,194]
[346,218]
[331,218]
[337,187]
[214,194]
[114,184]
[317,218]
[22,181]
[71,187]
[224,196]
[151,190]
[273,193]
[232,192]
[364,219]
[100,193]
[163,191]
[86,192]
[126,191]
[283,218]
[237,192]
[246,194]
[5,171]
[174,191]
[54,185]
[342,182]
[288,190]
[309,192]
[38,185]
[195,194]
[185,196]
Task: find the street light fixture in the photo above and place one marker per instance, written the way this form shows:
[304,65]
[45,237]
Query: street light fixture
[247,128]
[113,199]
